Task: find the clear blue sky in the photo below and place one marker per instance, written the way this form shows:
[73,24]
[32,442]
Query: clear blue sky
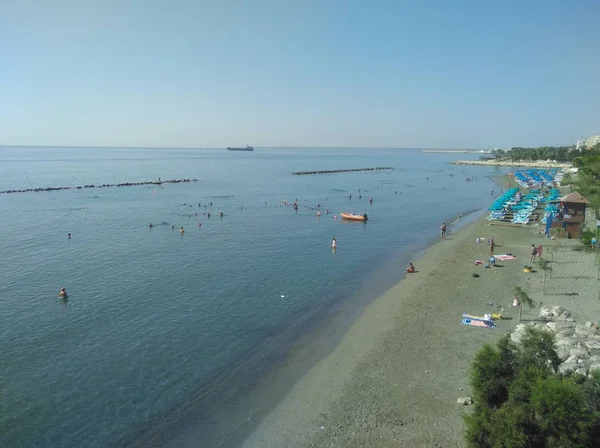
[212,73]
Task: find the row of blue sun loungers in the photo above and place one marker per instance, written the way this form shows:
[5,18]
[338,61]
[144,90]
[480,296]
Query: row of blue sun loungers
[520,208]
[535,178]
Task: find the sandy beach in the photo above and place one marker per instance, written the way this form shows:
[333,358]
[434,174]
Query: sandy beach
[395,377]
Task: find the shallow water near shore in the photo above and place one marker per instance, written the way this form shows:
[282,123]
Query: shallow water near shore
[164,332]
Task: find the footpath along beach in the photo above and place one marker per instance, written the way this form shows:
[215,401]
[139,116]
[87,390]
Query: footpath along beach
[395,377]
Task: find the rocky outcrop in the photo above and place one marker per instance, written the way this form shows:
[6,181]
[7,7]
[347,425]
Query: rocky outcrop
[532,164]
[578,346]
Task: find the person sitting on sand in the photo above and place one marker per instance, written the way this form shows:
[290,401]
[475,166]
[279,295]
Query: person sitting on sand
[62,294]
[411,268]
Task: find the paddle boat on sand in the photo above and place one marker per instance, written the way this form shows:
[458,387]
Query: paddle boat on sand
[353,217]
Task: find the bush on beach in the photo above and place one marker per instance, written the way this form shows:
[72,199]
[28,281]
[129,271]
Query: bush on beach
[521,400]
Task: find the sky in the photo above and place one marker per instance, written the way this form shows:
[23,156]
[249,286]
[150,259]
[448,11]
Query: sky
[214,73]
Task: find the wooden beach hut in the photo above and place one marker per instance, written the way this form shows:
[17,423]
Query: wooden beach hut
[572,214]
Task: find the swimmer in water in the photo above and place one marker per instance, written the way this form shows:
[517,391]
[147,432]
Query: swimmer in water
[69,235]
[181,230]
[62,294]
[150,225]
[221,214]
[334,244]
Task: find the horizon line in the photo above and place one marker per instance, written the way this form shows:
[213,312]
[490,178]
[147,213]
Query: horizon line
[224,147]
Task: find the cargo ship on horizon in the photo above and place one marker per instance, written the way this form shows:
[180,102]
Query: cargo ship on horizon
[239,148]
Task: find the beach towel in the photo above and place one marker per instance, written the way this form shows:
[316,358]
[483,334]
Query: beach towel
[505,257]
[479,262]
[471,316]
[478,323]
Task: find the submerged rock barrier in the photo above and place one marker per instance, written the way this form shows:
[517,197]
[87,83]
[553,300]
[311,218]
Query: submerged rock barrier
[125,184]
[377,168]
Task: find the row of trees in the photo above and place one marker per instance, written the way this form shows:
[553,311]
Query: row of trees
[587,180]
[522,401]
[558,153]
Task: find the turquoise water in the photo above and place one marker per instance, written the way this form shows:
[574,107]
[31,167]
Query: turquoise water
[163,331]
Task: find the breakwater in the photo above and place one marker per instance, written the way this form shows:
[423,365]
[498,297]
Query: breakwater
[125,184]
[377,168]
[526,163]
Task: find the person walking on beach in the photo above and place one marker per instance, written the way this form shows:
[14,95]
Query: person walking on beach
[492,247]
[534,253]
[443,230]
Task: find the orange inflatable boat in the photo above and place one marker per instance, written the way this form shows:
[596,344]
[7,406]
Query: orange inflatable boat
[352,217]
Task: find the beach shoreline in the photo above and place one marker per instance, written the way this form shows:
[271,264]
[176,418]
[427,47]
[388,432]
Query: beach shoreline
[307,350]
[395,376]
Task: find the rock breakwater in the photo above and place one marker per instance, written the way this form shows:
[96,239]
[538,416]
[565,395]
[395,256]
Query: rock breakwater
[516,163]
[377,168]
[578,346]
[125,184]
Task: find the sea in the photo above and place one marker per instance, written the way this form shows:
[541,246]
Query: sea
[166,338]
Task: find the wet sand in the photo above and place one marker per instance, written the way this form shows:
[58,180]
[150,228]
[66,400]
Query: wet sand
[394,378]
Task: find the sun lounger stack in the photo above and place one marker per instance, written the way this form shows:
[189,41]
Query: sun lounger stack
[499,206]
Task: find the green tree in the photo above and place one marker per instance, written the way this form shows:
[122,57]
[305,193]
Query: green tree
[521,400]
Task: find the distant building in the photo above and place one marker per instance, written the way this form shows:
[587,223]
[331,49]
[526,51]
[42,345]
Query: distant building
[588,142]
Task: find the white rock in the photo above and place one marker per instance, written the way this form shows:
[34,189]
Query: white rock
[570,319]
[563,353]
[557,327]
[465,401]
[567,367]
[565,342]
[588,324]
[579,352]
[594,367]
[582,371]
[566,332]
[592,344]
[595,359]
[546,312]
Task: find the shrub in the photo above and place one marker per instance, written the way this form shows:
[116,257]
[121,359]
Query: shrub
[587,235]
[521,400]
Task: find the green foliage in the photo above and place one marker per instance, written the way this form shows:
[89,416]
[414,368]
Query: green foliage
[558,153]
[493,370]
[538,351]
[521,400]
[561,411]
[587,235]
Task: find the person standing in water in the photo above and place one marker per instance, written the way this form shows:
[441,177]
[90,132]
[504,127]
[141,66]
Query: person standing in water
[334,244]
[62,294]
[443,229]
[69,235]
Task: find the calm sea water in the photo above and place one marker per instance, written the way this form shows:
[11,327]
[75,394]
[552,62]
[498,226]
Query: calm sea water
[162,328]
